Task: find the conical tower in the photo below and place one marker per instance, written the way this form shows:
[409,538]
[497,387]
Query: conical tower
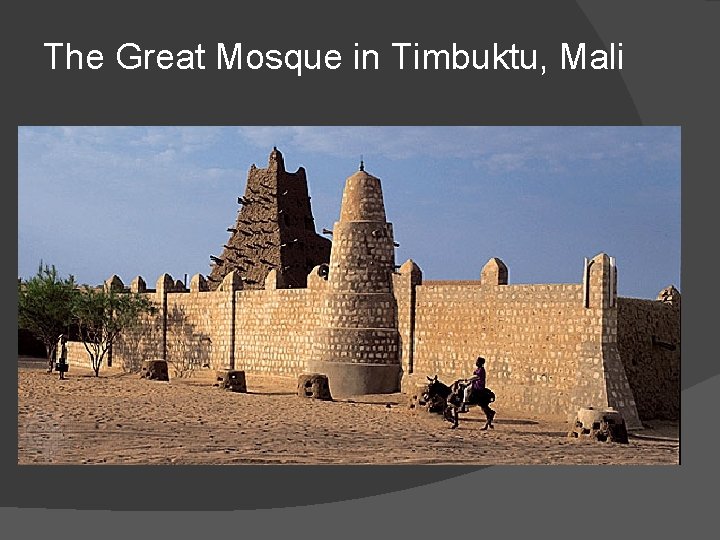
[356,344]
[274,229]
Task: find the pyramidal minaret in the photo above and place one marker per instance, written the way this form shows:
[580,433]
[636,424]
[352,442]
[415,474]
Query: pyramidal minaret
[274,230]
[356,344]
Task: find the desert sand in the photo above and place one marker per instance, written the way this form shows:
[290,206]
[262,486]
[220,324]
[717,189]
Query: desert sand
[119,418]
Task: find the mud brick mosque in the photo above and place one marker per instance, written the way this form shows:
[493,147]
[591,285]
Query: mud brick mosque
[282,300]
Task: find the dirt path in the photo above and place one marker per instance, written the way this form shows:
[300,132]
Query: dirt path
[120,418]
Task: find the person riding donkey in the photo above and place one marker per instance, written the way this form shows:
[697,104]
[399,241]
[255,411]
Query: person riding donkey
[476,393]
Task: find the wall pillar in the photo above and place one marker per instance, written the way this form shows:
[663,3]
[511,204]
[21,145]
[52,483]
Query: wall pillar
[231,283]
[164,285]
[405,282]
[601,381]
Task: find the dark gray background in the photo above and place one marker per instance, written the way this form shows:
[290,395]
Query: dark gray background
[670,77]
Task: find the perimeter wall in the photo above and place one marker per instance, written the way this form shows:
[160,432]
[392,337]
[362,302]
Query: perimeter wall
[549,349]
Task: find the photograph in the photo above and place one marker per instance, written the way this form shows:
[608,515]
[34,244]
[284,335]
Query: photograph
[349,295]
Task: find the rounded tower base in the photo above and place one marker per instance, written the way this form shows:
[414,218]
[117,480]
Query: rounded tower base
[352,379]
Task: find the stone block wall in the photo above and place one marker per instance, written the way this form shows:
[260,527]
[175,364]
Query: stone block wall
[144,341]
[147,339]
[77,355]
[274,330]
[198,332]
[530,335]
[550,349]
[649,345]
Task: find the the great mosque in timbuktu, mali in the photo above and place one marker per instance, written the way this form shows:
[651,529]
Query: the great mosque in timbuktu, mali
[281,299]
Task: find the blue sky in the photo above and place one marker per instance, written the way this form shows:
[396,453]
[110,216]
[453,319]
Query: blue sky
[98,201]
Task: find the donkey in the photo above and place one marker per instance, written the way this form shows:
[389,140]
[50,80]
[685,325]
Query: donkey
[439,397]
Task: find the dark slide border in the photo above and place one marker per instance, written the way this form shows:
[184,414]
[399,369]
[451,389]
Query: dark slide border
[670,77]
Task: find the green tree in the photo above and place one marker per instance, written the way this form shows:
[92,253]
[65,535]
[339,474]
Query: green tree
[45,305]
[102,314]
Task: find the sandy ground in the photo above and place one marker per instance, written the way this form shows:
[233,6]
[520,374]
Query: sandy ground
[122,419]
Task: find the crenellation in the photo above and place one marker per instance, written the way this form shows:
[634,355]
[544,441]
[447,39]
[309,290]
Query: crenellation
[138,285]
[198,284]
[114,283]
[164,284]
